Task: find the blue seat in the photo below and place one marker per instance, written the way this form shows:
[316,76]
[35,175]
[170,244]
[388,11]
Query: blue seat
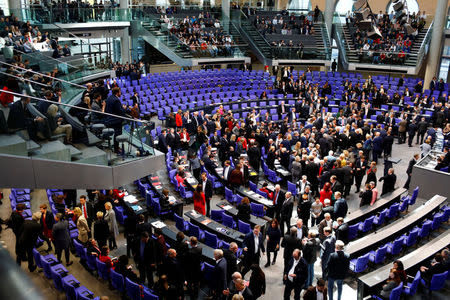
[411,239]
[102,269]
[404,204]
[272,176]
[117,281]
[257,209]
[212,240]
[38,258]
[353,231]
[237,199]
[160,213]
[133,290]
[194,230]
[79,249]
[426,228]
[393,211]
[381,218]
[216,184]
[228,221]
[185,194]
[292,187]
[366,225]
[252,186]
[379,255]
[395,247]
[84,294]
[244,227]
[69,283]
[229,195]
[437,282]
[411,288]
[414,195]
[437,221]
[90,261]
[216,215]
[359,264]
[46,266]
[208,274]
[180,223]
[149,296]
[58,272]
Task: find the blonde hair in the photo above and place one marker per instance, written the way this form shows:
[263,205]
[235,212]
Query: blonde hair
[108,204]
[52,110]
[99,214]
[77,211]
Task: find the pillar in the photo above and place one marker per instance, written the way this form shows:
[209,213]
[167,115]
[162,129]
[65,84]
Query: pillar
[14,8]
[434,54]
[125,46]
[226,8]
[328,15]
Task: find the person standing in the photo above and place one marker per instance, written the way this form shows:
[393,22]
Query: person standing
[253,246]
[422,127]
[47,221]
[294,275]
[412,128]
[15,222]
[366,196]
[82,226]
[257,282]
[144,256]
[389,182]
[340,206]
[402,131]
[208,192]
[409,170]
[319,291]
[193,269]
[342,230]
[220,274]
[326,248]
[30,233]
[199,200]
[110,218]
[87,210]
[337,268]
[61,238]
[273,236]
[290,243]
[310,246]
[115,107]
[286,211]
[360,171]
[100,230]
[278,200]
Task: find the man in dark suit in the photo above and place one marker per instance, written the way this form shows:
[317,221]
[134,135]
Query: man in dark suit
[389,182]
[144,256]
[142,226]
[174,271]
[115,107]
[422,127]
[162,141]
[337,268]
[290,243]
[294,275]
[220,274]
[377,145]
[61,238]
[208,191]
[360,170]
[336,186]
[302,230]
[100,230]
[253,246]
[15,222]
[340,208]
[436,267]
[348,178]
[27,240]
[87,210]
[231,258]
[241,289]
[326,248]
[286,212]
[313,292]
[342,230]
[193,271]
[278,200]
[20,117]
[409,170]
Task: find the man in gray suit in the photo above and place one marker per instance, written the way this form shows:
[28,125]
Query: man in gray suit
[326,248]
[61,238]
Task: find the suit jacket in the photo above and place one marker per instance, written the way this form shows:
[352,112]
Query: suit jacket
[61,237]
[19,116]
[149,252]
[311,293]
[193,264]
[366,198]
[290,243]
[90,212]
[337,265]
[208,189]
[287,208]
[340,208]
[220,276]
[327,247]
[141,227]
[300,271]
[49,220]
[236,177]
[411,164]
[100,230]
[247,294]
[83,229]
[342,233]
[30,233]
[249,242]
[389,183]
[231,261]
[337,187]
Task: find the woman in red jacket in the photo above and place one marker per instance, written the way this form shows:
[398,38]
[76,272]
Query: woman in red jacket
[199,200]
[326,192]
[178,120]
[103,257]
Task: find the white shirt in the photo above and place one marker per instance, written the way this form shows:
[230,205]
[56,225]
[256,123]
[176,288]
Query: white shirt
[291,271]
[299,233]
[256,243]
[204,185]
[319,295]
[225,173]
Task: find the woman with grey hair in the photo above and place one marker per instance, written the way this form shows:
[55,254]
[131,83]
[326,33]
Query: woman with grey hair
[110,218]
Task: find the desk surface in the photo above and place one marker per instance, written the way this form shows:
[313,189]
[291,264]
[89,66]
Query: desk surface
[363,244]
[380,204]
[171,235]
[231,210]
[252,196]
[410,260]
[138,206]
[215,227]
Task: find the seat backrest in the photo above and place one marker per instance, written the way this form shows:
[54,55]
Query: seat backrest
[117,280]
[438,281]
[216,215]
[149,296]
[37,258]
[252,186]
[132,289]
[227,220]
[397,292]
[244,227]
[292,188]
[381,253]
[414,284]
[193,230]
[211,239]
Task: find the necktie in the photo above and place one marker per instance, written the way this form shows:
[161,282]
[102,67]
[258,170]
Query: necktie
[84,210]
[275,198]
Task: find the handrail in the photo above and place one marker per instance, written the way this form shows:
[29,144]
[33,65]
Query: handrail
[34,52]
[425,42]
[74,106]
[73,35]
[41,74]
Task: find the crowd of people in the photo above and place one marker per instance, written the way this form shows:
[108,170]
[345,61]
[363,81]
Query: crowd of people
[395,42]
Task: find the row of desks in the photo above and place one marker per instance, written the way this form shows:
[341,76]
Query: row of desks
[374,240]
[368,211]
[370,283]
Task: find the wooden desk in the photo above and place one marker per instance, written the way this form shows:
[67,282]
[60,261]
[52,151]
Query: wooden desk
[232,211]
[225,233]
[370,283]
[397,228]
[171,237]
[368,211]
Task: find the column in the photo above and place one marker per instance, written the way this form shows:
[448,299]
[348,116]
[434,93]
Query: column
[226,8]
[14,8]
[328,15]
[125,46]
[124,14]
[434,54]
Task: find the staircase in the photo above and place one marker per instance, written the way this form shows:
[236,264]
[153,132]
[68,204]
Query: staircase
[256,41]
